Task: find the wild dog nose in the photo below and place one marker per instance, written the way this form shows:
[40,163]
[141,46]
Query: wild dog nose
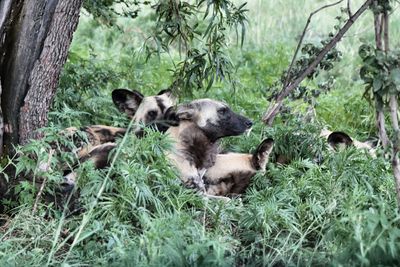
[249,123]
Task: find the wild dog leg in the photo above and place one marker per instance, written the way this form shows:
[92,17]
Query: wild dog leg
[189,174]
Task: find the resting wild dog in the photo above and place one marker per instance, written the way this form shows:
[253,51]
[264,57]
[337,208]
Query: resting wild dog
[201,124]
[153,111]
[222,178]
[339,140]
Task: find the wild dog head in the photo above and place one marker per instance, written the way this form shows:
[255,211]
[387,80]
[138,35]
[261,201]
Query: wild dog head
[339,140]
[214,118]
[148,111]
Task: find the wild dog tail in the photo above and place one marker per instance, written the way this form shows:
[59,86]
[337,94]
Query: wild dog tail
[261,155]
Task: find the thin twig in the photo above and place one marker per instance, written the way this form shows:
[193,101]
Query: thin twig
[43,167]
[274,109]
[385,18]
[380,116]
[349,8]
[288,76]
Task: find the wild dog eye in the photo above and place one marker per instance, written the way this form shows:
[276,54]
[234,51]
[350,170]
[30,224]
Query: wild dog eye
[152,114]
[223,111]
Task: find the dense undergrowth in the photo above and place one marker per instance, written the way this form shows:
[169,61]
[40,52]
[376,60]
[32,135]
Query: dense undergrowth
[323,208]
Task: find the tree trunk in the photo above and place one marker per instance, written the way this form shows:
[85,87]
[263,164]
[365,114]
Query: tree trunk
[44,77]
[35,37]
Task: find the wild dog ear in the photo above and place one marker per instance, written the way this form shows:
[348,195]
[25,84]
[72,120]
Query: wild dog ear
[261,155]
[127,101]
[167,92]
[171,116]
[185,112]
[338,140]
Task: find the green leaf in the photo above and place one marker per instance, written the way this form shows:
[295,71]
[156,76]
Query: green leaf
[395,76]
[377,85]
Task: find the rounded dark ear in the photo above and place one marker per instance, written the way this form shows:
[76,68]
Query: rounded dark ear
[185,112]
[339,139]
[171,117]
[168,92]
[261,155]
[127,101]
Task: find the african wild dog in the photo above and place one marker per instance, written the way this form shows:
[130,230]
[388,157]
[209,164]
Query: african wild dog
[201,123]
[152,111]
[339,140]
[231,172]
[222,178]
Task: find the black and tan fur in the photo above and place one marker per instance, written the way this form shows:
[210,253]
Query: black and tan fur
[340,140]
[151,111]
[201,124]
[154,111]
[232,172]
[223,174]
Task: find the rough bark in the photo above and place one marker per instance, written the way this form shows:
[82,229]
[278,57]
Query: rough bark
[380,122]
[22,47]
[44,77]
[35,37]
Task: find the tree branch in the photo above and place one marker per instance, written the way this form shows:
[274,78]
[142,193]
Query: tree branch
[380,122]
[385,18]
[393,107]
[378,31]
[380,116]
[274,108]
[288,77]
[1,124]
[349,8]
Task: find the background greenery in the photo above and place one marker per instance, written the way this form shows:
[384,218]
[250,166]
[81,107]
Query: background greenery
[340,212]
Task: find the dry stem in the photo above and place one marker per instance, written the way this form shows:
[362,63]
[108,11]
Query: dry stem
[43,167]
